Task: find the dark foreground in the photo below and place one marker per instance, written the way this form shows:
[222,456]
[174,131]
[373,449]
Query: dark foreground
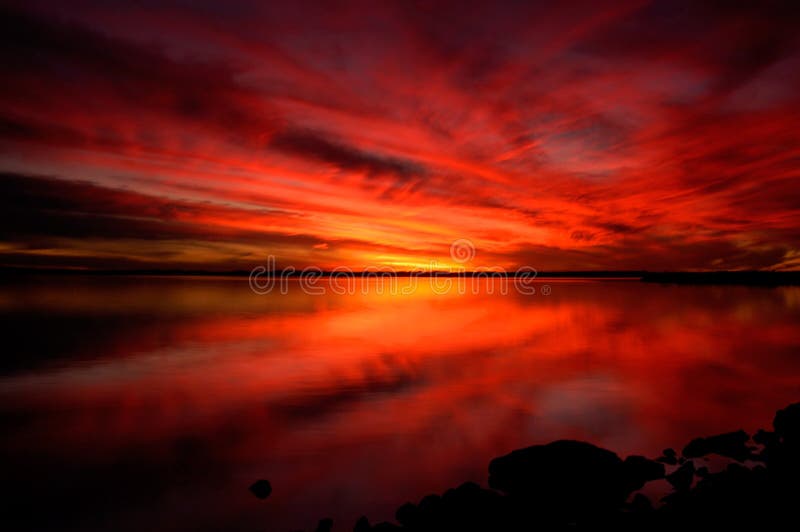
[571,485]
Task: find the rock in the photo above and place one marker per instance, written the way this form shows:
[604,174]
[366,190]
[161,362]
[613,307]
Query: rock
[569,485]
[681,478]
[565,476]
[641,503]
[430,504]
[261,488]
[325,525]
[407,515]
[764,437]
[638,470]
[362,525]
[385,527]
[787,424]
[668,456]
[731,444]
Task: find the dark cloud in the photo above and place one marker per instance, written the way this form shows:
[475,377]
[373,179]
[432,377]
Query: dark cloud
[52,134]
[317,146]
[35,209]
[325,402]
[54,68]
[733,40]
[582,235]
[619,227]
[39,213]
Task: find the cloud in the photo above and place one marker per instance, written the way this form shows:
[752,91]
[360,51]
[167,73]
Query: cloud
[312,145]
[56,71]
[40,206]
[573,135]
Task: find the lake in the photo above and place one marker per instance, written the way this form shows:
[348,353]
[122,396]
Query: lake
[139,403]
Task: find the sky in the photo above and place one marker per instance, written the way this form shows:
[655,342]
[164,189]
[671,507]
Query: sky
[552,135]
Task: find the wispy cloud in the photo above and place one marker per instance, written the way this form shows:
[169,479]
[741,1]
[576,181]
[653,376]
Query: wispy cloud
[571,135]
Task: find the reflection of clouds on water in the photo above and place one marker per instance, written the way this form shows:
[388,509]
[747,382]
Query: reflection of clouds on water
[594,407]
[376,399]
[311,405]
[791,296]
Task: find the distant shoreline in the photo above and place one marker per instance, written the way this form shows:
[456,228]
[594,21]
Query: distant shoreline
[609,274]
[724,278]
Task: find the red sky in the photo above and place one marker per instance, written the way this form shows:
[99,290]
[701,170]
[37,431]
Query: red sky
[557,135]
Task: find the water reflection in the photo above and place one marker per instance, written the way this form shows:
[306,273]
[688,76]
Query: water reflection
[125,402]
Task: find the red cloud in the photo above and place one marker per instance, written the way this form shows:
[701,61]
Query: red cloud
[562,137]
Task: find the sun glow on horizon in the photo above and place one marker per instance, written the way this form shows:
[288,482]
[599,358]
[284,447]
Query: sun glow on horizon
[193,141]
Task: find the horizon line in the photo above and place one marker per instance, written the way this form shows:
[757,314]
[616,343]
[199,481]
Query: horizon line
[746,277]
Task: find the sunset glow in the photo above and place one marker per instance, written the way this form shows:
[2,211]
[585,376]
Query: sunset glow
[596,135]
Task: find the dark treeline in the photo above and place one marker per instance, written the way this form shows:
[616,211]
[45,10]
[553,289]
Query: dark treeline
[571,485]
[612,274]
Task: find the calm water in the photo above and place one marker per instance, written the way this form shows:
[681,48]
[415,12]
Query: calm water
[143,404]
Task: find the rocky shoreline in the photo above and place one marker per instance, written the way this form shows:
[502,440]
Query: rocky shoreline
[572,485]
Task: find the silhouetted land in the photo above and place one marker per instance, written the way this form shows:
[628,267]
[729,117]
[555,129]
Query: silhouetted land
[572,485]
[745,278]
[612,274]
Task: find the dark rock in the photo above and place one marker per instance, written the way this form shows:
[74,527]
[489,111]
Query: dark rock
[766,438]
[261,488]
[564,477]
[469,487]
[325,525]
[787,424]
[782,457]
[362,525]
[385,527]
[668,456]
[641,503]
[430,503]
[408,515]
[681,478]
[731,444]
[468,507]
[638,470]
